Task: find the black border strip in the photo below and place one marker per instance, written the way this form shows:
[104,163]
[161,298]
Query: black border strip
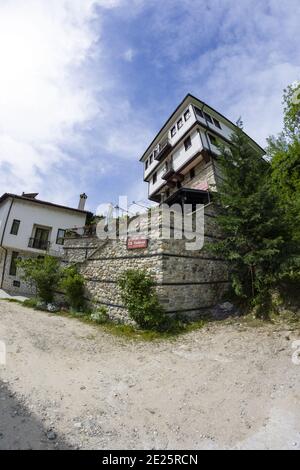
[157,255]
[159,284]
[108,304]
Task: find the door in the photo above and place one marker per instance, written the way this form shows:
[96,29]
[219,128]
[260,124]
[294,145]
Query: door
[41,238]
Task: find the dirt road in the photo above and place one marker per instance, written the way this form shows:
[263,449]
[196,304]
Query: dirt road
[69,384]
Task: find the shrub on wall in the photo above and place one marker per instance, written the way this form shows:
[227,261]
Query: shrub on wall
[44,273]
[72,283]
[141,300]
[100,316]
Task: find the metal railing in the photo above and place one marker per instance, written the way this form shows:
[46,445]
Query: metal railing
[38,244]
[168,171]
[163,148]
[86,231]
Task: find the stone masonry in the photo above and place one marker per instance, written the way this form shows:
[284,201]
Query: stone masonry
[187,282]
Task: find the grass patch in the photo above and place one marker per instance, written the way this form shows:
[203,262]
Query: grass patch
[133,333]
[285,319]
[120,329]
[12,301]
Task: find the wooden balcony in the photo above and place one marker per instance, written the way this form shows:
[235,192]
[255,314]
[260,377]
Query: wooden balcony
[164,148]
[169,173]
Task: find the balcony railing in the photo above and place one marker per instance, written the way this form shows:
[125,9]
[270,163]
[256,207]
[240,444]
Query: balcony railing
[89,231]
[169,172]
[38,244]
[163,149]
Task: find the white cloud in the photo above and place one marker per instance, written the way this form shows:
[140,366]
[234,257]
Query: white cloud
[240,55]
[65,115]
[129,55]
[43,99]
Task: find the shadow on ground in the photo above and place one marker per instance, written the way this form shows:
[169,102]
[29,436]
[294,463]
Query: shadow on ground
[21,430]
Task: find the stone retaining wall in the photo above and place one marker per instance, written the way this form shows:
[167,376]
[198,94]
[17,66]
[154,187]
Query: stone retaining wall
[15,285]
[188,282]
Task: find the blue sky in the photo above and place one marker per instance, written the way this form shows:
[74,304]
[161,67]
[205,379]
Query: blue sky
[86,84]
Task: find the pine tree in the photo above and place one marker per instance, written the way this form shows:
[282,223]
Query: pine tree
[284,152]
[250,218]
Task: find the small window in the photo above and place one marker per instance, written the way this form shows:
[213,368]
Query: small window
[192,173]
[179,123]
[178,185]
[154,179]
[208,118]
[217,123]
[13,263]
[187,143]
[213,140]
[155,153]
[151,158]
[146,164]
[15,227]
[187,115]
[173,131]
[60,237]
[198,112]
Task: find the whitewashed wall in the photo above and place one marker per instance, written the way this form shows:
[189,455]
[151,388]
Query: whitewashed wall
[31,214]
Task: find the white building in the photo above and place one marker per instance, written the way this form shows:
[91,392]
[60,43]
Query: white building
[30,227]
[181,163]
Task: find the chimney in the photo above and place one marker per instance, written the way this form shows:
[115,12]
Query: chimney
[82,201]
[30,195]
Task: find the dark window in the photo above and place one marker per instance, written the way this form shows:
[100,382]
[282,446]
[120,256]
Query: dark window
[179,123]
[173,131]
[187,143]
[40,241]
[199,112]
[154,179]
[16,284]
[60,236]
[151,158]
[146,165]
[212,139]
[155,153]
[187,115]
[192,173]
[13,264]
[217,123]
[15,227]
[208,118]
[178,184]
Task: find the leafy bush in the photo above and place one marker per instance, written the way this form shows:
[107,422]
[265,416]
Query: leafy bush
[100,316]
[44,273]
[72,283]
[139,296]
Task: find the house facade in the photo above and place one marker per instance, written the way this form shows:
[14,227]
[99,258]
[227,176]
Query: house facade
[180,166]
[181,163]
[30,227]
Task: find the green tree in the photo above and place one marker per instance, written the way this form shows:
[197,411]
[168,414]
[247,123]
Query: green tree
[139,296]
[284,152]
[250,218]
[44,273]
[72,283]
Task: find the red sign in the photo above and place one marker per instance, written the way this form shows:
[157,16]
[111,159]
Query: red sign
[137,243]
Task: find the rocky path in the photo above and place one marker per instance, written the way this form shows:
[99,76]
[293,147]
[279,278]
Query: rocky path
[70,385]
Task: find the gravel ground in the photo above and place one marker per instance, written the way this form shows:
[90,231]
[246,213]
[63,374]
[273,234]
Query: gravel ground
[70,385]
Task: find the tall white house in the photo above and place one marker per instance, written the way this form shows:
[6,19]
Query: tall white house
[181,163]
[30,227]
